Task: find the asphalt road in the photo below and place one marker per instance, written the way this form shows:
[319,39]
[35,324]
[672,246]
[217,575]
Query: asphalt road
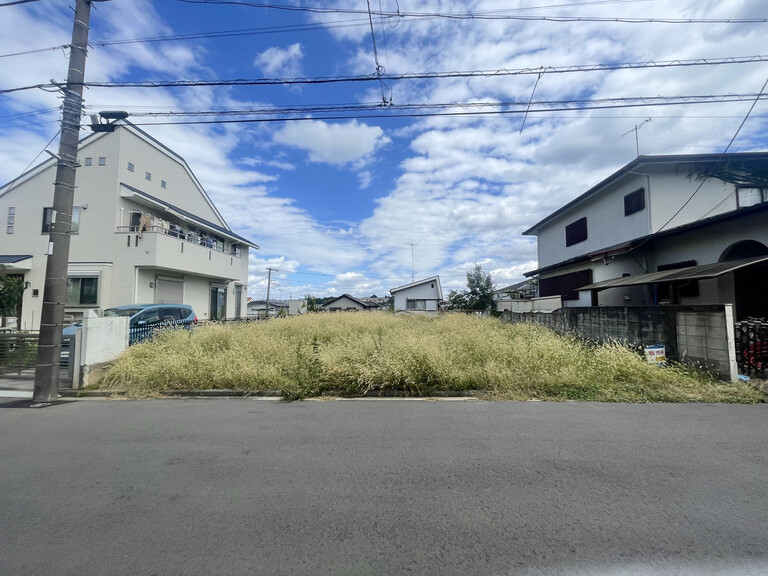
[246,486]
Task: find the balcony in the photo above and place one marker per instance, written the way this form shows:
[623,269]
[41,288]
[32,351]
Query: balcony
[176,249]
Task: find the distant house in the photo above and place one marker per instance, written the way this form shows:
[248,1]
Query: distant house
[524,290]
[258,308]
[296,307]
[347,302]
[687,229]
[422,296]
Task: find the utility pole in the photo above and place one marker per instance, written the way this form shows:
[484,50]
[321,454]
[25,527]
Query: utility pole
[55,289]
[269,284]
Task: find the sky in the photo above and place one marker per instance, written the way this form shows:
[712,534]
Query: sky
[361,201]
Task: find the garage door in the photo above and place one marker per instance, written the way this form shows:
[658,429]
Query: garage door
[169,291]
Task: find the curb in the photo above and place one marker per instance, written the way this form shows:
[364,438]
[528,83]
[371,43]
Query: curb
[68,393]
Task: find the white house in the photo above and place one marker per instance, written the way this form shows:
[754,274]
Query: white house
[346,302]
[688,229]
[422,296]
[144,231]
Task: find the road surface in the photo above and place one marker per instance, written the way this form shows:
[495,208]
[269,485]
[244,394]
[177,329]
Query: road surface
[247,486]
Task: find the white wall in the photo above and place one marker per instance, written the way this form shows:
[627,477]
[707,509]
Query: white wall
[104,339]
[427,291]
[124,271]
[667,188]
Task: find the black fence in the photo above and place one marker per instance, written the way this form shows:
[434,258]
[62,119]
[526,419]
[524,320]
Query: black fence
[752,346]
[18,352]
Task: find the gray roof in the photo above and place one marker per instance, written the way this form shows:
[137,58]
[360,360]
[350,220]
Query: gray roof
[701,272]
[12,259]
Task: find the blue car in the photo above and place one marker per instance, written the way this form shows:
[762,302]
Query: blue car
[145,319]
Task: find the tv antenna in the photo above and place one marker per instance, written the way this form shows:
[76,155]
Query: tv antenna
[635,130]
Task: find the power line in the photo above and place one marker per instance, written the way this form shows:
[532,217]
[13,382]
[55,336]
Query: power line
[424,75]
[17,2]
[499,72]
[314,109]
[720,159]
[637,104]
[497,15]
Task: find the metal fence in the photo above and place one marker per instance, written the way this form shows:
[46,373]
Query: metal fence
[752,346]
[18,352]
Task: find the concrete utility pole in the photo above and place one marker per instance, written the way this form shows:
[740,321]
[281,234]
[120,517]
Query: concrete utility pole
[269,284]
[55,289]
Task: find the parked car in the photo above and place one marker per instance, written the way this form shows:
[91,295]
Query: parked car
[145,319]
[67,337]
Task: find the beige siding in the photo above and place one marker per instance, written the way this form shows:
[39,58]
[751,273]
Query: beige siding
[181,188]
[124,265]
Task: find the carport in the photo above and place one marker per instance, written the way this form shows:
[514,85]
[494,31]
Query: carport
[748,285]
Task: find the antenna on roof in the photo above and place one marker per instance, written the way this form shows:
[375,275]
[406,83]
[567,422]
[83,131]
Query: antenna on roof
[635,129]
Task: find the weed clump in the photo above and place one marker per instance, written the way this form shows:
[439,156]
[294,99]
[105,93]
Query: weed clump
[351,354]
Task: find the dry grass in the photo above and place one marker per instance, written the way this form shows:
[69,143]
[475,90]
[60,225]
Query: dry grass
[351,354]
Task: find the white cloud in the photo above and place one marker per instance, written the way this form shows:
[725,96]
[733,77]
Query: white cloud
[281,62]
[333,143]
[365,179]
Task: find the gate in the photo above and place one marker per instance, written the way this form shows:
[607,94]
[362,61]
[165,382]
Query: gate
[18,352]
[752,346]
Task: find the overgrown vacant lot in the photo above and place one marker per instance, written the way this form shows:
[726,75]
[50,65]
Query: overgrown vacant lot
[350,354]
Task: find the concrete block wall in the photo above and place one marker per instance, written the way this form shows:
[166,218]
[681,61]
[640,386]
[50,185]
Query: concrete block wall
[699,334]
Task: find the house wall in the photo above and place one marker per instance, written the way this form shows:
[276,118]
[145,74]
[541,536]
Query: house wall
[182,189]
[673,186]
[124,264]
[345,303]
[606,223]
[427,291]
[667,187]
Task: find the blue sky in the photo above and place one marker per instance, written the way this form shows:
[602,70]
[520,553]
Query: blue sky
[335,204]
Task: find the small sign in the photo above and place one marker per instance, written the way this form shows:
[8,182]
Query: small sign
[656,354]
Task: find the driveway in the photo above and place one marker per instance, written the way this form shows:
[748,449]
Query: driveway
[353,487]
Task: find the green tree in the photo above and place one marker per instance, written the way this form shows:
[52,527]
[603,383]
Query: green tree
[479,292]
[12,288]
[312,305]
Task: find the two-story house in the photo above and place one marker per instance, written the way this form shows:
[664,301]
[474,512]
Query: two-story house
[144,231]
[684,229]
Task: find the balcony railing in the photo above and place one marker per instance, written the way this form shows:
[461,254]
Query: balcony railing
[182,234]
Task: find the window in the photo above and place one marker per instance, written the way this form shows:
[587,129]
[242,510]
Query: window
[147,176]
[565,285]
[163,184]
[82,291]
[11,220]
[751,196]
[102,161]
[634,202]
[576,232]
[415,304]
[130,167]
[11,210]
[9,229]
[88,161]
[48,218]
[135,220]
